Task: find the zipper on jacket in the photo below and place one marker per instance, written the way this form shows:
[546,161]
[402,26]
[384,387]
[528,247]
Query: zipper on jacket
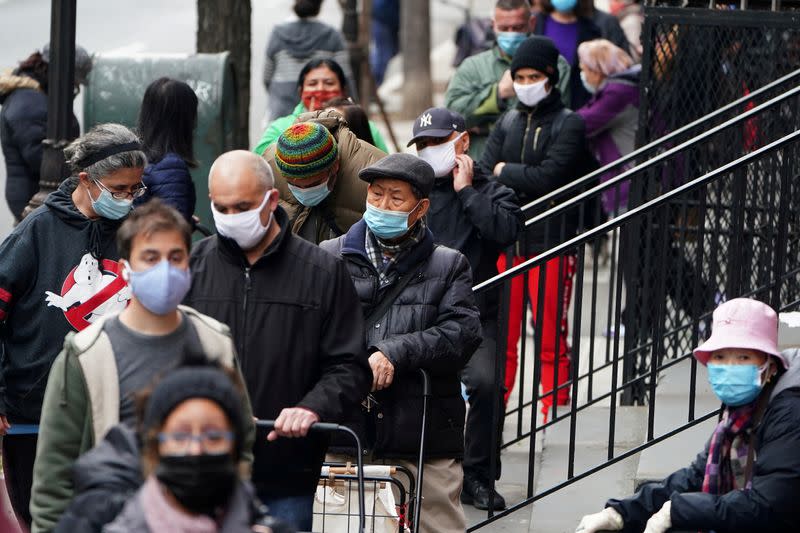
[536,138]
[525,139]
[247,286]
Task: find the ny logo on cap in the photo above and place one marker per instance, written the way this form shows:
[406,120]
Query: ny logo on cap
[425,120]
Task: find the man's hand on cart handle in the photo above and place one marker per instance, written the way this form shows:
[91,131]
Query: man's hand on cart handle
[293,422]
[382,371]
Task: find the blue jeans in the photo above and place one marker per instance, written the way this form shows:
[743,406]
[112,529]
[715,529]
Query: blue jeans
[295,510]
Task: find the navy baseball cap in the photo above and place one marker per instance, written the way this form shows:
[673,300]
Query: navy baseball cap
[437,122]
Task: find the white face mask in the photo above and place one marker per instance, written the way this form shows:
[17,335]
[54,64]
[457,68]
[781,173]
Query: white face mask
[531,94]
[441,157]
[245,228]
[591,89]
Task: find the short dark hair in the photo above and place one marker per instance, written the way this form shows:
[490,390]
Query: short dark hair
[356,118]
[153,217]
[307,8]
[322,62]
[34,66]
[167,120]
[511,5]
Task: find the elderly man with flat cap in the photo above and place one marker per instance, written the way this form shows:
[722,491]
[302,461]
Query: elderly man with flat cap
[290,307]
[419,314]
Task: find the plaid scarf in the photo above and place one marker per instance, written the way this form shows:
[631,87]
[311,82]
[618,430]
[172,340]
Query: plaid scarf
[383,254]
[727,451]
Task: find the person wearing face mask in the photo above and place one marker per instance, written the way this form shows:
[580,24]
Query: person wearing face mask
[316,163]
[746,477]
[93,381]
[476,215]
[290,306]
[426,318]
[536,148]
[482,87]
[320,81]
[612,115]
[58,273]
[569,23]
[193,434]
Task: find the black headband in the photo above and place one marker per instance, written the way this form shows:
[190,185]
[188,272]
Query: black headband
[108,151]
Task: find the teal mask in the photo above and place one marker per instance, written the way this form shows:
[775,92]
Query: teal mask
[310,196]
[564,6]
[107,207]
[735,385]
[386,224]
[509,41]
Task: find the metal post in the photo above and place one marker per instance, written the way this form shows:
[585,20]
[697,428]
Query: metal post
[350,32]
[61,81]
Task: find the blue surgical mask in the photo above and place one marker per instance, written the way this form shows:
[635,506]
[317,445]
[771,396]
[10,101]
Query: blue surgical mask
[509,41]
[564,6]
[161,287]
[735,385]
[387,224]
[108,207]
[310,196]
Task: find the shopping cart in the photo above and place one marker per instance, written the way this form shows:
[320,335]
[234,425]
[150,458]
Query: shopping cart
[387,510]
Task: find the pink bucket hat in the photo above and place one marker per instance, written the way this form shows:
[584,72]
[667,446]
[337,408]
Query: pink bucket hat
[742,323]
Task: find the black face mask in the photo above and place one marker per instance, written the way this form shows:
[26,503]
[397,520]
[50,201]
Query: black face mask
[200,483]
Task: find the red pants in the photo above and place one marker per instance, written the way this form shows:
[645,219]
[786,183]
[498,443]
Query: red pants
[555,327]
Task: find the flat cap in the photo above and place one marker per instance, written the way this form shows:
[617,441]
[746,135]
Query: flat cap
[404,167]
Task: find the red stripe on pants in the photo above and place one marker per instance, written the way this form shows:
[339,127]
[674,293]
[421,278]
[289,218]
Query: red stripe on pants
[555,328]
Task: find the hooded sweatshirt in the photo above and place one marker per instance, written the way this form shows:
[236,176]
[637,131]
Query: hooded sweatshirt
[291,46]
[58,273]
[23,126]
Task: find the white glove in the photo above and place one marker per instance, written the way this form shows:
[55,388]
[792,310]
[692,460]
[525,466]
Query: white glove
[606,520]
[661,521]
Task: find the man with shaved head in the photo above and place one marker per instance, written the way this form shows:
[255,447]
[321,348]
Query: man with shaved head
[296,321]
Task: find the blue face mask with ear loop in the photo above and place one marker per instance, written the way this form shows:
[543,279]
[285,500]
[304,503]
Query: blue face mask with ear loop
[564,6]
[736,385]
[310,196]
[387,224]
[159,288]
[509,41]
[108,207]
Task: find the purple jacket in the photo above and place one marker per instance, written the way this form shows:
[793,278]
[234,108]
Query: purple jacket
[611,118]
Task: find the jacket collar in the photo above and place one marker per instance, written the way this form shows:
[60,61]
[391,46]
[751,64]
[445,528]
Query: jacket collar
[355,238]
[233,254]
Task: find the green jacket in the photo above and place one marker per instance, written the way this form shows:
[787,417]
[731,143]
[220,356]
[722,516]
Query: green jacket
[279,125]
[81,403]
[473,92]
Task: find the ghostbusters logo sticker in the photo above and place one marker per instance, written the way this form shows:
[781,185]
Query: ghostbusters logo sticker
[91,290]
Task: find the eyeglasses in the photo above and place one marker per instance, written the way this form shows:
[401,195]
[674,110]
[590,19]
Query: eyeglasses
[211,441]
[135,192]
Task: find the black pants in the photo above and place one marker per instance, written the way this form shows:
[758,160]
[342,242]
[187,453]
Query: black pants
[19,451]
[479,378]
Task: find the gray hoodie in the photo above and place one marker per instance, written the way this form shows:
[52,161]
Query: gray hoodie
[291,46]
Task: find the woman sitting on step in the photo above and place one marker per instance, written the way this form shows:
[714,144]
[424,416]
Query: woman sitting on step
[748,476]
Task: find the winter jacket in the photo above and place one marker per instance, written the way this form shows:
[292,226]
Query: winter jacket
[473,92]
[105,478]
[537,164]
[479,221]
[770,505]
[298,339]
[51,284]
[81,404]
[291,45]
[169,179]
[587,31]
[346,203]
[279,125]
[242,512]
[433,324]
[23,127]
[612,118]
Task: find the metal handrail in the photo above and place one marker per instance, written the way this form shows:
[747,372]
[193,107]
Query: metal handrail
[575,200]
[618,221]
[588,178]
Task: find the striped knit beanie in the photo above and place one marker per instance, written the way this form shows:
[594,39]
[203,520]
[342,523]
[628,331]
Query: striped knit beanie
[305,151]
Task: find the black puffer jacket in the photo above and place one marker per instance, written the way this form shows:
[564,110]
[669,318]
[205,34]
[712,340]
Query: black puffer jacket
[771,503]
[433,324]
[23,127]
[536,163]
